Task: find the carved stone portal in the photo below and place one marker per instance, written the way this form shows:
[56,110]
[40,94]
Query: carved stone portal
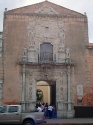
[63,88]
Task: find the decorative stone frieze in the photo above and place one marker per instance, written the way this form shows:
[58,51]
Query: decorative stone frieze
[62,72]
[29,72]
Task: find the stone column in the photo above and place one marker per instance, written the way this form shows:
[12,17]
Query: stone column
[32,104]
[23,86]
[1,82]
[59,101]
[69,88]
[34,90]
[70,111]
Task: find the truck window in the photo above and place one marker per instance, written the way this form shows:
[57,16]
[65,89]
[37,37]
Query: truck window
[0,109]
[13,109]
[3,109]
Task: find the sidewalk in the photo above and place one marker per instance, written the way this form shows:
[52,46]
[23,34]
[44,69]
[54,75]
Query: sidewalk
[72,121]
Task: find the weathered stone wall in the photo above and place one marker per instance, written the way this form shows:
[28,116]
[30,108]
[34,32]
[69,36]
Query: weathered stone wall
[1,67]
[88,97]
[46,29]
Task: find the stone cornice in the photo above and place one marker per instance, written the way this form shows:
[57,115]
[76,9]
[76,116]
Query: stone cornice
[46,15]
[52,64]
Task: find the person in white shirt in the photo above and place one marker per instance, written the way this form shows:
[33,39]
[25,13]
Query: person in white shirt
[39,109]
[50,108]
[43,106]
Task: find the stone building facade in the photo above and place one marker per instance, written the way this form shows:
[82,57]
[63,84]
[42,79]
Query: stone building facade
[1,68]
[46,42]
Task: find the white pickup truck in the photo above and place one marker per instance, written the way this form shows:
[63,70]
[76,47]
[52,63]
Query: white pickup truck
[13,114]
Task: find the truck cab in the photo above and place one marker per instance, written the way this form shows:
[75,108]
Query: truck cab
[13,114]
[10,114]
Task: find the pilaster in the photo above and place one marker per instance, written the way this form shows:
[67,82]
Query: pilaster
[23,87]
[70,111]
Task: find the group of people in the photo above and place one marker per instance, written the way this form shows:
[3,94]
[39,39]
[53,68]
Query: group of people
[49,110]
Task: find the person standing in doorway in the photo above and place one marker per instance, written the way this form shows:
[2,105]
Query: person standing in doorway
[50,108]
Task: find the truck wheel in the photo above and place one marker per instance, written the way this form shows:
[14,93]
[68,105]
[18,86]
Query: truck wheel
[28,122]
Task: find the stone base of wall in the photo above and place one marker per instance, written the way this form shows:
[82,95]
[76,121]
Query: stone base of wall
[70,113]
[65,114]
[28,105]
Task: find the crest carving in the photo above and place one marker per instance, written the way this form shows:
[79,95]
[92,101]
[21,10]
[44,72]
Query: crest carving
[46,10]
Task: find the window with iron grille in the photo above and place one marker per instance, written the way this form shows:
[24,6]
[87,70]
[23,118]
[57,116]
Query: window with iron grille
[46,52]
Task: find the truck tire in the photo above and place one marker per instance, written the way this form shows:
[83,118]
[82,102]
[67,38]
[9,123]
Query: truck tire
[28,122]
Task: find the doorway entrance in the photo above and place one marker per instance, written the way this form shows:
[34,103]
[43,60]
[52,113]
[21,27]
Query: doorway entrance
[46,92]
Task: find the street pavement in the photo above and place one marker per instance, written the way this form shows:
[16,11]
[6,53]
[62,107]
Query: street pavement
[84,121]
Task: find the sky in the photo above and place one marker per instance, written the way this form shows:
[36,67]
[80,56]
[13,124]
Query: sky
[80,6]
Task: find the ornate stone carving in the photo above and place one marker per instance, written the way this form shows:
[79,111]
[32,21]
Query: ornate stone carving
[32,57]
[55,75]
[47,25]
[24,58]
[31,32]
[62,82]
[61,34]
[30,92]
[46,10]
[30,80]
[24,51]
[68,72]
[80,90]
[62,37]
[67,52]
[61,45]
[23,70]
[62,72]
[29,72]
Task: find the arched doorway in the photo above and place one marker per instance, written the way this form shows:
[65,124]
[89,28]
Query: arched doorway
[48,90]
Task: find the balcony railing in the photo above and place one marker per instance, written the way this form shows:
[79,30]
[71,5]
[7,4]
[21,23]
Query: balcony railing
[46,57]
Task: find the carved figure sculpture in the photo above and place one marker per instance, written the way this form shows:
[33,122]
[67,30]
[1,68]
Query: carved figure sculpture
[31,33]
[61,35]
[24,51]
[68,52]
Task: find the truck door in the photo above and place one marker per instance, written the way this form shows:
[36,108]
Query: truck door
[3,114]
[13,115]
